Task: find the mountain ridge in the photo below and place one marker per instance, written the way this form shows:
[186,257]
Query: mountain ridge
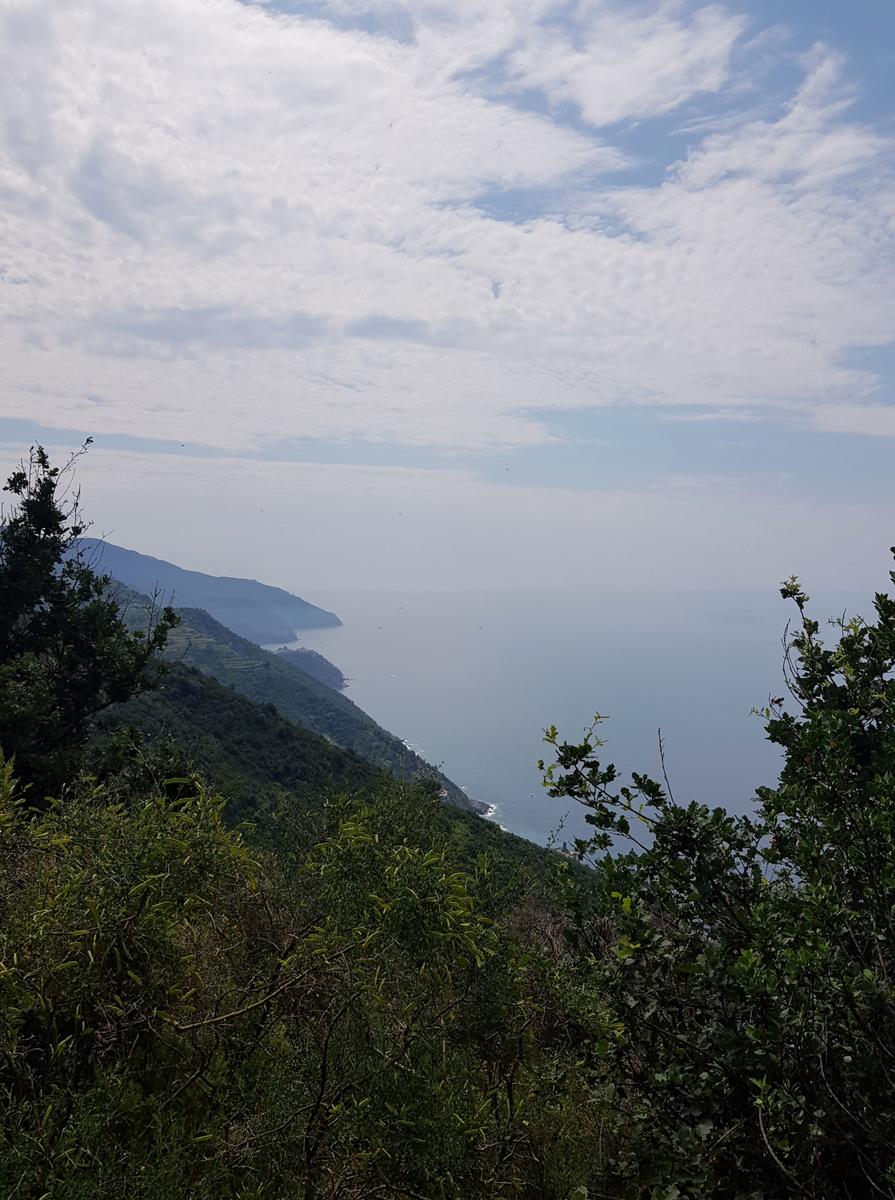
[260,612]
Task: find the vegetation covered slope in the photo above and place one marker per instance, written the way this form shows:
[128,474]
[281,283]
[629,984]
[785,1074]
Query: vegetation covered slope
[202,642]
[255,610]
[252,755]
[315,665]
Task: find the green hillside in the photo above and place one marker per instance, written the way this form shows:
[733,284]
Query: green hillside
[247,751]
[315,665]
[202,642]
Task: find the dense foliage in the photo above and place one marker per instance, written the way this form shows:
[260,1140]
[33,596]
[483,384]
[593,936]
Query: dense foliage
[180,1017]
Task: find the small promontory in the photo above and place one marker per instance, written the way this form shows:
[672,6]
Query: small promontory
[315,665]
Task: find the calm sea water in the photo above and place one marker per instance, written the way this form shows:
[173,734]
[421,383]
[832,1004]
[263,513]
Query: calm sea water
[472,681]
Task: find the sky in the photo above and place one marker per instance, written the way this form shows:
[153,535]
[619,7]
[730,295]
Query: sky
[501,293]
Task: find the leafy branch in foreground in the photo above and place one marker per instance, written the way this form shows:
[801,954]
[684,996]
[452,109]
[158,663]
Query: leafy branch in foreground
[752,960]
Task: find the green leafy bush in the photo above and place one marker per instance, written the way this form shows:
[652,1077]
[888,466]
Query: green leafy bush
[751,960]
[180,1016]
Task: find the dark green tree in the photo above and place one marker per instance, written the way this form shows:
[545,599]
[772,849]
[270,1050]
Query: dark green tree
[65,653]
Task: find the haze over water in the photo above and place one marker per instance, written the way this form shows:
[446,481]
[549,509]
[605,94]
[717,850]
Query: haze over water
[471,681]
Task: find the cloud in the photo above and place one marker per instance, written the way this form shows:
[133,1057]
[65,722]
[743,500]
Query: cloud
[617,63]
[377,327]
[216,327]
[871,420]
[309,228]
[809,144]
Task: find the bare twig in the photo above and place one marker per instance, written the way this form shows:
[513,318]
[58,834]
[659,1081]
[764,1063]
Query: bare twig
[664,771]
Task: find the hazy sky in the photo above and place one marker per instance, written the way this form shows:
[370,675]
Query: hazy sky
[494,291]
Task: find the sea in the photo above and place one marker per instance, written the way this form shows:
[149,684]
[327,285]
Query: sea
[471,681]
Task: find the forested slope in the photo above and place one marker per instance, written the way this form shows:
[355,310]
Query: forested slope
[254,756]
[315,665]
[202,642]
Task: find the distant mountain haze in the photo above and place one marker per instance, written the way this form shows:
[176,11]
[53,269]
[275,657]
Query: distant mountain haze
[256,611]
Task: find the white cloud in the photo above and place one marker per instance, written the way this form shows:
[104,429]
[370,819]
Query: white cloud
[616,63]
[227,225]
[872,420]
[810,144]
